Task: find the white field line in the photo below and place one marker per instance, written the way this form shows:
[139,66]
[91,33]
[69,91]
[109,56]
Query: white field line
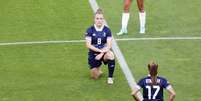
[41,42]
[81,41]
[160,38]
[119,56]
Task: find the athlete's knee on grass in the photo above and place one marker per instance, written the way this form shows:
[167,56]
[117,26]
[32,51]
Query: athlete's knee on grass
[95,73]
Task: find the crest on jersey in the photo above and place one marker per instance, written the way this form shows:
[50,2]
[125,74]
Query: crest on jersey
[104,34]
[93,34]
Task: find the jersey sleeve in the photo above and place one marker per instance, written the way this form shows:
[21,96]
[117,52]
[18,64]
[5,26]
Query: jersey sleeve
[88,34]
[109,33]
[165,83]
[141,83]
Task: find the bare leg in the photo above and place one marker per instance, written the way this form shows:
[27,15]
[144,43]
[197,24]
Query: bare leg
[140,4]
[125,17]
[95,73]
[127,4]
[100,72]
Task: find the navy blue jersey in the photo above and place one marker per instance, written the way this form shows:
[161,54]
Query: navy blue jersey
[153,92]
[98,37]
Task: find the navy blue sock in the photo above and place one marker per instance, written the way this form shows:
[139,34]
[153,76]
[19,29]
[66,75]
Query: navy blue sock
[111,66]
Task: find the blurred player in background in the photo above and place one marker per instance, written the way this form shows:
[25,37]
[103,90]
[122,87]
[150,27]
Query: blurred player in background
[126,16]
[99,41]
[153,85]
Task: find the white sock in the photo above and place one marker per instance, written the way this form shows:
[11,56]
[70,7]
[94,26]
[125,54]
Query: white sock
[125,18]
[142,17]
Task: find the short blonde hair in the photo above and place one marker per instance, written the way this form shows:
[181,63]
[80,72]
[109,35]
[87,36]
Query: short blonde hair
[99,11]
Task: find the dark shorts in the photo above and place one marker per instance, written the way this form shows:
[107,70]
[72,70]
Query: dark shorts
[93,63]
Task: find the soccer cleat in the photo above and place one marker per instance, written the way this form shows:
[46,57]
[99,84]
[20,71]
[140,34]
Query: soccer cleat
[122,32]
[142,30]
[110,81]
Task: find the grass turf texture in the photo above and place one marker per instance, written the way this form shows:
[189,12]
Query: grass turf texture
[165,18]
[50,72]
[179,62]
[54,72]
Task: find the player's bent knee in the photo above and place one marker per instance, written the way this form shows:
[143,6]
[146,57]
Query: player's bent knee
[126,8]
[109,55]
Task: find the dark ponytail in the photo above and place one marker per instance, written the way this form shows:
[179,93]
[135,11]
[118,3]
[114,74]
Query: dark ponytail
[153,71]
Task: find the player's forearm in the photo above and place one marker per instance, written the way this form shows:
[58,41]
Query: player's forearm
[108,46]
[94,48]
[172,93]
[134,94]
[109,43]
[136,98]
[99,56]
[91,47]
[105,49]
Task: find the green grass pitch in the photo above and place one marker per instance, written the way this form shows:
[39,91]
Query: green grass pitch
[59,72]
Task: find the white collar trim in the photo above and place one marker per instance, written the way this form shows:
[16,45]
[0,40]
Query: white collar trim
[98,29]
[150,75]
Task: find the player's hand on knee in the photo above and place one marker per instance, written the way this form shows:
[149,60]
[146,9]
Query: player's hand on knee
[105,49]
[99,56]
[109,55]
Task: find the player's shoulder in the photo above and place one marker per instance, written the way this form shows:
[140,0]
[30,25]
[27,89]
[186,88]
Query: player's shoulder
[106,28]
[144,79]
[90,29]
[160,77]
